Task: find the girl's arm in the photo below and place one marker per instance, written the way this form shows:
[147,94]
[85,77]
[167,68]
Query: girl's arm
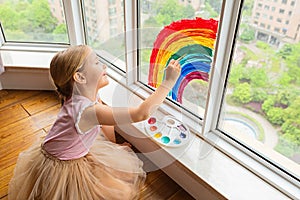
[105,115]
[109,133]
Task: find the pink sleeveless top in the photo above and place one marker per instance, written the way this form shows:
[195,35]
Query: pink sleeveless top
[65,140]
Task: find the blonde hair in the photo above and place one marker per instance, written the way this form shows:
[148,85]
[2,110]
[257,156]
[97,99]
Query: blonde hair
[64,65]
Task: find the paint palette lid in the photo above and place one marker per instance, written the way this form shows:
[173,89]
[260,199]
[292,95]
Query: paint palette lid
[169,131]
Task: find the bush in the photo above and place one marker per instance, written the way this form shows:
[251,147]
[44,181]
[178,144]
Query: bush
[262,45]
[247,35]
[275,115]
[258,95]
[268,104]
[242,93]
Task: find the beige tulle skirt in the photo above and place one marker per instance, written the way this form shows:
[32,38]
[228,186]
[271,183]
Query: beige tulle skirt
[109,171]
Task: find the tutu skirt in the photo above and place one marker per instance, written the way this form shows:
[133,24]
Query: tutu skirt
[109,171]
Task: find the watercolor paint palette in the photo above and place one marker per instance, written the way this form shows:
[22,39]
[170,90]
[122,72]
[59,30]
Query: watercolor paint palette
[168,131]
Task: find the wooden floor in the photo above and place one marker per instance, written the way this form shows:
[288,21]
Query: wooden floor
[27,115]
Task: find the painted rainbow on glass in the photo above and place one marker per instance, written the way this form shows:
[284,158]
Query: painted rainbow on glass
[193,39]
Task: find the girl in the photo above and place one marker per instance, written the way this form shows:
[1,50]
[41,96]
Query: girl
[76,161]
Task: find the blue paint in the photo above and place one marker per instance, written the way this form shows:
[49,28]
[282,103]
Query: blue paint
[182,135]
[177,141]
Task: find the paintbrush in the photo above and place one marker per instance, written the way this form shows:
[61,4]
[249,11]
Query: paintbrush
[177,60]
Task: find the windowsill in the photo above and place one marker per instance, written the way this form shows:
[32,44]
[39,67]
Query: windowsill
[201,167]
[25,58]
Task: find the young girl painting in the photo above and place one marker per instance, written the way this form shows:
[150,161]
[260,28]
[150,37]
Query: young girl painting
[79,159]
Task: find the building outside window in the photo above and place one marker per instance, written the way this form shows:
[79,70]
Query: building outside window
[108,36]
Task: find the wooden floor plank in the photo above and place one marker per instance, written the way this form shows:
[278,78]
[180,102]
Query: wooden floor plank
[16,132]
[28,125]
[11,97]
[3,198]
[160,189]
[40,102]
[47,128]
[151,177]
[180,195]
[45,118]
[12,114]
[9,153]
[8,172]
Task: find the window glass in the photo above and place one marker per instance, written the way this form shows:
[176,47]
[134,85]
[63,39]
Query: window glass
[261,106]
[166,31]
[33,21]
[104,20]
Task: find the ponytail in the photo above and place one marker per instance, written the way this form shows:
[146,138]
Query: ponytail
[64,65]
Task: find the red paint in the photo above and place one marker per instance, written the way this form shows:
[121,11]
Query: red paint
[152,120]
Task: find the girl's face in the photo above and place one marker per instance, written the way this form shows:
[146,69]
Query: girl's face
[95,71]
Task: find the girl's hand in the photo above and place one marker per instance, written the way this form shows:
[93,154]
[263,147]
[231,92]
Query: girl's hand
[172,73]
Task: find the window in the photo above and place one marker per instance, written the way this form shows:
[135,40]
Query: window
[292,3]
[105,29]
[259,94]
[276,29]
[112,2]
[284,30]
[273,8]
[113,21]
[112,11]
[260,107]
[38,21]
[281,11]
[193,97]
